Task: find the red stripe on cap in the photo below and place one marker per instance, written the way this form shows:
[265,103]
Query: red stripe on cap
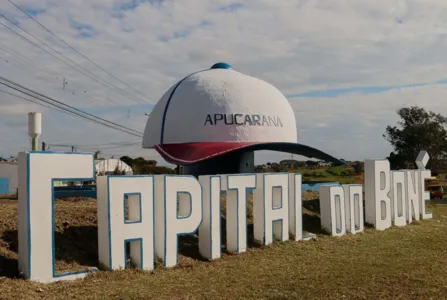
[189,153]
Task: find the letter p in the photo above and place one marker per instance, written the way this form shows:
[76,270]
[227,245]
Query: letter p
[178,210]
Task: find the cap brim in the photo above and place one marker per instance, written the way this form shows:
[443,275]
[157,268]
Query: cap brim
[191,153]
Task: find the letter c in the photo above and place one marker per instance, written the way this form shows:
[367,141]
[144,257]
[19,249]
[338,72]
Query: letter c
[235,119]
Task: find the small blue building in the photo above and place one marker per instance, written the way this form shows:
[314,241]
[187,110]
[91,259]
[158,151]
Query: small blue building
[8,178]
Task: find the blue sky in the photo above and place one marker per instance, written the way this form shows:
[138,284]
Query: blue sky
[345,66]
[329,93]
[33,11]
[323,93]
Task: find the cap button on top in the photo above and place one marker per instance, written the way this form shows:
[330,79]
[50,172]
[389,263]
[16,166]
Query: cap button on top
[221,65]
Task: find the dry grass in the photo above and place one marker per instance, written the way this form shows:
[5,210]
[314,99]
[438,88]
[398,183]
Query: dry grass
[400,263]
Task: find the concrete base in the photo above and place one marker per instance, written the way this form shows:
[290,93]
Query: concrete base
[233,163]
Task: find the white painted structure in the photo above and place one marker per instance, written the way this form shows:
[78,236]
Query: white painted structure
[108,166]
[34,124]
[34,128]
[8,170]
[162,207]
[220,112]
[219,91]
[36,217]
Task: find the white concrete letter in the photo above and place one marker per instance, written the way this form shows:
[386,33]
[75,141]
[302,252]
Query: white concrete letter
[377,188]
[398,198]
[354,208]
[115,229]
[332,209]
[173,219]
[209,230]
[413,203]
[295,206]
[37,171]
[271,208]
[236,187]
[424,195]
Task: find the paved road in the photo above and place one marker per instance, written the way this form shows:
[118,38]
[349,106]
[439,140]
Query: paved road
[440,201]
[8,201]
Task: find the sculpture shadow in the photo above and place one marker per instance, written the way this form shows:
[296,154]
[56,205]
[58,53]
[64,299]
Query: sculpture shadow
[312,220]
[9,267]
[79,244]
[189,244]
[251,243]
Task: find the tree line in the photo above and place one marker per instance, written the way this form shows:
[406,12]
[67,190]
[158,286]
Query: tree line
[418,130]
[140,165]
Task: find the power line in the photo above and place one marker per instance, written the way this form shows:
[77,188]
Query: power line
[83,70]
[101,144]
[23,64]
[95,147]
[68,108]
[64,107]
[47,106]
[35,102]
[61,103]
[74,49]
[107,148]
[25,61]
[95,77]
[126,154]
[76,148]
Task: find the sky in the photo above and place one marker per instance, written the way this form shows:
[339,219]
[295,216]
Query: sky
[346,66]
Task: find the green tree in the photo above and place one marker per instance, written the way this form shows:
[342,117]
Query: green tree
[128,160]
[260,169]
[117,171]
[358,167]
[417,130]
[96,154]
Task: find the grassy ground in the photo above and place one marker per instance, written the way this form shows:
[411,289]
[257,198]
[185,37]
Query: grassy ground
[400,263]
[344,175]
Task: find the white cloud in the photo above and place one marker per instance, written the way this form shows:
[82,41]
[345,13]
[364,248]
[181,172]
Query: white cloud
[298,46]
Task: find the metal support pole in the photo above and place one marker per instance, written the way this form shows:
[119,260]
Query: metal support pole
[34,144]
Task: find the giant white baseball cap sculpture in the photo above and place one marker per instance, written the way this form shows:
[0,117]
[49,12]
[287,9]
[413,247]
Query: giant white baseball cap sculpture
[219,110]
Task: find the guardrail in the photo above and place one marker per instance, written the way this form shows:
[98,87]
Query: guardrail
[86,191]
